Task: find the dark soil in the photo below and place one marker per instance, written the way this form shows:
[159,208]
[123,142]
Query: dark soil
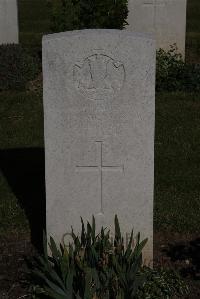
[14,250]
[181,252]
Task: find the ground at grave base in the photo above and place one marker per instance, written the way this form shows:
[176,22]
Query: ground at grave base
[177,251]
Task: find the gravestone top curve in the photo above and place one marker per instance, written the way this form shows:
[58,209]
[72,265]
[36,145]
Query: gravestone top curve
[88,32]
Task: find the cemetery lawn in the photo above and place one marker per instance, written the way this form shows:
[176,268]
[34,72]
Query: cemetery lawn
[21,131]
[177,167]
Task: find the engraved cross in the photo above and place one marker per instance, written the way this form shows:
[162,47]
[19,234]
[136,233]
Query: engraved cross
[101,168]
[155,4]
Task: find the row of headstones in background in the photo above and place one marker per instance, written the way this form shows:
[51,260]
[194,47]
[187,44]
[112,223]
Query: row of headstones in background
[166,19]
[9,32]
[99,99]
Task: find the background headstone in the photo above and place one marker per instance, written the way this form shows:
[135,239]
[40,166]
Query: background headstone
[8,22]
[164,18]
[99,130]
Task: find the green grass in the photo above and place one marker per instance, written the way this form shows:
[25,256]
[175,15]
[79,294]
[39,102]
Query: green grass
[21,126]
[177,167]
[21,120]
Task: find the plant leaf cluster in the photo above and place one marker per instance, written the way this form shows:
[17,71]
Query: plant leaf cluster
[93,266]
[162,284]
[173,74]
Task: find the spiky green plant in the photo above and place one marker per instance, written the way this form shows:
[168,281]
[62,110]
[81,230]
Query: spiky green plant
[93,266]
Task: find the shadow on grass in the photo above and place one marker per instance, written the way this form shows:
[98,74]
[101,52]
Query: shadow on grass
[25,172]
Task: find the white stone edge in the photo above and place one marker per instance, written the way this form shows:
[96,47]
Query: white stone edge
[127,33]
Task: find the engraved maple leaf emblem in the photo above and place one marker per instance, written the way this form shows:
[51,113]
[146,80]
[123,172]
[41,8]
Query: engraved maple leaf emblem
[99,75]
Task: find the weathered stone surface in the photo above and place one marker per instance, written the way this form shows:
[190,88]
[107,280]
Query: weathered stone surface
[164,18]
[99,130]
[8,22]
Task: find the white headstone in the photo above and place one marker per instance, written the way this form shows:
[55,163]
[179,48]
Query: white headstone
[8,22]
[164,18]
[99,130]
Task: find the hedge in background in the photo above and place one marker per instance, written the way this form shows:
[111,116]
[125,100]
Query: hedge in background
[173,74]
[17,67]
[84,14]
